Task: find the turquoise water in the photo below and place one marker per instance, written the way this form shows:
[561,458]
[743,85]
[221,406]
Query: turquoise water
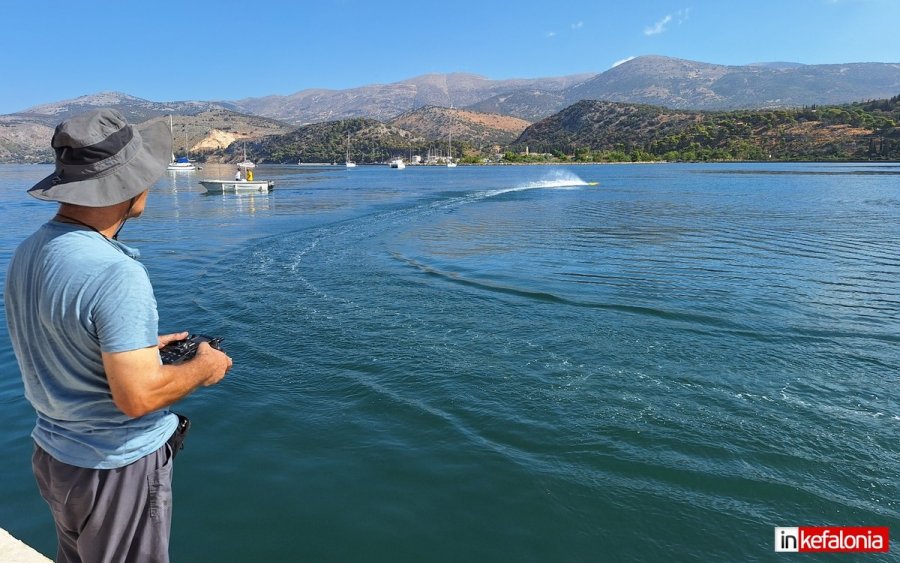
[505,364]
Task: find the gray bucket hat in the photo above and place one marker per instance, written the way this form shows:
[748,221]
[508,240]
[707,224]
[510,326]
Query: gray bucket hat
[101,160]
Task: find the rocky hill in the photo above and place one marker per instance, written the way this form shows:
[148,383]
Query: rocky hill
[474,128]
[595,130]
[135,110]
[604,126]
[217,129]
[530,105]
[416,132]
[370,141]
[199,128]
[24,140]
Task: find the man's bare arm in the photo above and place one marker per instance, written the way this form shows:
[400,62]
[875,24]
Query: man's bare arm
[141,385]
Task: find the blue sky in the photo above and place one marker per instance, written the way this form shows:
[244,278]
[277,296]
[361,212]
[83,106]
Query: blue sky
[163,50]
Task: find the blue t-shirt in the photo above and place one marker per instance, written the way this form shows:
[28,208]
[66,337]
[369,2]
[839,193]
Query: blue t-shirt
[71,294]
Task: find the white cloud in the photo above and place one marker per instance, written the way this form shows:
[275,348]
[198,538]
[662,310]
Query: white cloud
[574,26]
[617,63]
[660,27]
[679,17]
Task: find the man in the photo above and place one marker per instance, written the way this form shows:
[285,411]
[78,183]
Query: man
[83,323]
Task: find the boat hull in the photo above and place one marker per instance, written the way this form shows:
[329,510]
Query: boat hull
[177,167]
[237,186]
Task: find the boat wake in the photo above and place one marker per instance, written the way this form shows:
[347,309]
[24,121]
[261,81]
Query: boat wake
[556,180]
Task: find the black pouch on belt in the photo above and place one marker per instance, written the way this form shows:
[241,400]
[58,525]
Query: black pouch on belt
[176,441]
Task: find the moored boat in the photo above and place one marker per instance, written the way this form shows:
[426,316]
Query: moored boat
[182,163]
[243,181]
[347,162]
[246,164]
[237,186]
[450,163]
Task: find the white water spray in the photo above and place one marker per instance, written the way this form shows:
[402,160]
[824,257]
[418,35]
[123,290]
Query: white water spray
[557,179]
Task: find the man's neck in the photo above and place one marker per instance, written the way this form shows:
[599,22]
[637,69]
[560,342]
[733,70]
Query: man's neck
[104,220]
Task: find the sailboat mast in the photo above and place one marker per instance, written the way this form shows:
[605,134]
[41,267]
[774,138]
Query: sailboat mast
[450,163]
[172,133]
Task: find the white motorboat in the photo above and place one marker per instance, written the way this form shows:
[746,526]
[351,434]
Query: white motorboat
[397,163]
[243,181]
[237,186]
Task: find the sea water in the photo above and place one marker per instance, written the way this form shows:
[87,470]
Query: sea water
[509,364]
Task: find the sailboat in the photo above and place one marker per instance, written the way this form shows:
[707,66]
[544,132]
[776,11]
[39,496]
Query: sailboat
[450,163]
[245,164]
[347,162]
[182,163]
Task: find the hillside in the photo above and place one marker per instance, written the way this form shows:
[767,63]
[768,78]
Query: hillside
[417,132]
[474,128]
[604,126]
[217,129]
[530,105]
[24,141]
[371,141]
[135,110]
[616,131]
[25,138]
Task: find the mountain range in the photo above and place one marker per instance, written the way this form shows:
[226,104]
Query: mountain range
[655,80]
[681,84]
[386,101]
[661,81]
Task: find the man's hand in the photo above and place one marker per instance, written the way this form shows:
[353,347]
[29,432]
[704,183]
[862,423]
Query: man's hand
[219,361]
[166,339]
[141,385]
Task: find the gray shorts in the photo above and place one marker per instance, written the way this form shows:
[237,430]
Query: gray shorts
[109,515]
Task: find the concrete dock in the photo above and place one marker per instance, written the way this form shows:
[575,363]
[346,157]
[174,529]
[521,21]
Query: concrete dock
[14,551]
